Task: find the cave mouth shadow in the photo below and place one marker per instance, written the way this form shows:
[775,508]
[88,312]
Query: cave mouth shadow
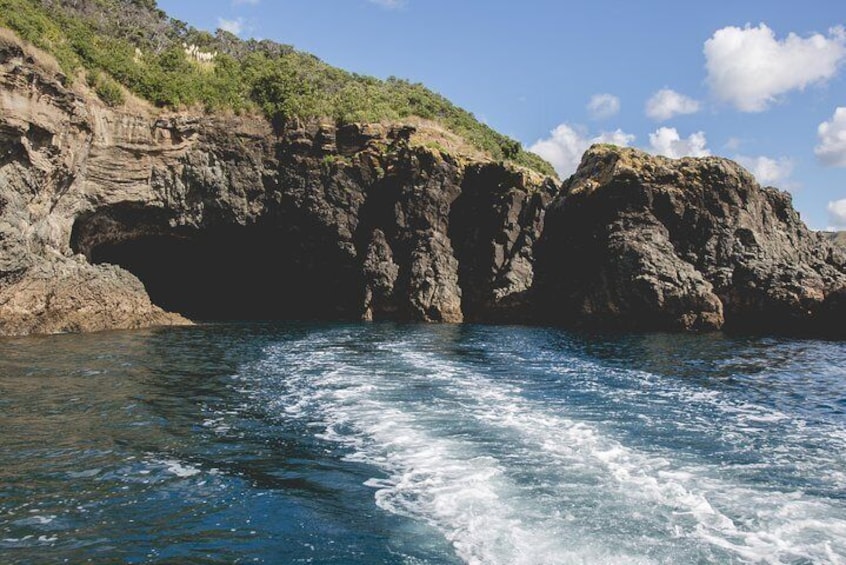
[228,272]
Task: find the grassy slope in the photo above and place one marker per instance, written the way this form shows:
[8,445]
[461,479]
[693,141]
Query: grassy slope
[133,43]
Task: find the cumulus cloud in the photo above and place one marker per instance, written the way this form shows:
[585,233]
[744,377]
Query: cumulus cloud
[566,145]
[603,106]
[768,171]
[832,148]
[749,68]
[668,142]
[837,213]
[667,103]
[235,26]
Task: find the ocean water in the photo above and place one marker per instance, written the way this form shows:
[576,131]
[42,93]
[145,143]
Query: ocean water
[384,443]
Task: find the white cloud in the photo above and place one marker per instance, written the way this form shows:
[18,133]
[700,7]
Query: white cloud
[749,68]
[837,213]
[733,144]
[768,171]
[235,26]
[565,147]
[667,103]
[250,2]
[390,4]
[603,106]
[832,148]
[668,142]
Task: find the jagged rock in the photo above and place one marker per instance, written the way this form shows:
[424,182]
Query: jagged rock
[68,295]
[639,241]
[380,275]
[838,239]
[495,223]
[234,217]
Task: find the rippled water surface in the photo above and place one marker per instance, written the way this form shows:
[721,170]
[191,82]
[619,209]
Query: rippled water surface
[379,443]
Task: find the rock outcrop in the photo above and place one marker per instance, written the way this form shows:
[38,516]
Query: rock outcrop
[646,242]
[48,139]
[837,238]
[229,217]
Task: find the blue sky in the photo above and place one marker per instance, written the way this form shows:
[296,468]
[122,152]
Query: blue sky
[756,81]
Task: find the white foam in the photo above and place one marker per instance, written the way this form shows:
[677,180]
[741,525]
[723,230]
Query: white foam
[444,482]
[40,539]
[180,469]
[35,521]
[218,425]
[583,487]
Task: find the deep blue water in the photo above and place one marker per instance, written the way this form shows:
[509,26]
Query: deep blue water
[382,443]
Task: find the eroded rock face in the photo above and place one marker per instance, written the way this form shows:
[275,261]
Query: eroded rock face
[638,241]
[114,219]
[48,138]
[495,224]
[226,217]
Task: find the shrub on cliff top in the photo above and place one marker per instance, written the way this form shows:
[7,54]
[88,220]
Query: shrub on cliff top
[107,89]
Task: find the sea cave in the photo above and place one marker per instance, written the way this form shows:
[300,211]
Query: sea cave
[270,270]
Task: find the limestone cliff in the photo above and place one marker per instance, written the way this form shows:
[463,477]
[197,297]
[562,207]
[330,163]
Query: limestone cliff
[639,241]
[228,217]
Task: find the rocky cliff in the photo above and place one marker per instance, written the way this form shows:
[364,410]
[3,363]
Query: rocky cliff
[228,217]
[122,218]
[646,242]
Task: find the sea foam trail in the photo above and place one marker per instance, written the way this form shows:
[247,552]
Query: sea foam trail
[510,477]
[687,500]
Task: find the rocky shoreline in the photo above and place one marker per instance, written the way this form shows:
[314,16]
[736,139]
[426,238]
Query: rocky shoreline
[116,218]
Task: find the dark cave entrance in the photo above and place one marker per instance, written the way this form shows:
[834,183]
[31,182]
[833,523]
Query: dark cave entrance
[257,272]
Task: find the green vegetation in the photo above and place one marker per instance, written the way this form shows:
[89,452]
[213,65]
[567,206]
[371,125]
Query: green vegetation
[437,147]
[107,89]
[132,43]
